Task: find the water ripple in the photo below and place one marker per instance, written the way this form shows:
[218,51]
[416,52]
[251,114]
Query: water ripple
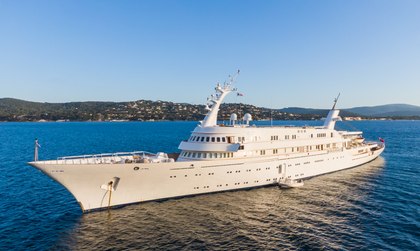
[372,207]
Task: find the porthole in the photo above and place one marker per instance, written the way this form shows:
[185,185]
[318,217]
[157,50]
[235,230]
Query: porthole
[136,168]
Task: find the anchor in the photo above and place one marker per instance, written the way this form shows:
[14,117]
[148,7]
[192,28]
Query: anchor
[110,187]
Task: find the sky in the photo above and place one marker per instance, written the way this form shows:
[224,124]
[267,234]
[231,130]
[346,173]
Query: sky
[290,53]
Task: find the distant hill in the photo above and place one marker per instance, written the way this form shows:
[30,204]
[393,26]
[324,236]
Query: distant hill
[392,110]
[140,110]
[387,110]
[320,112]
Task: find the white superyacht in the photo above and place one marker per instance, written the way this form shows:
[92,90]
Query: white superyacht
[215,158]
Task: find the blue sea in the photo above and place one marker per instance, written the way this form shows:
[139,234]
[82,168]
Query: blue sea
[372,207]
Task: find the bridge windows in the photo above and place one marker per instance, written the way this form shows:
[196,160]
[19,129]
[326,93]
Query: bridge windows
[204,155]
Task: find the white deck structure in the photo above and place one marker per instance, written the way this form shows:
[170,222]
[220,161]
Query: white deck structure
[215,158]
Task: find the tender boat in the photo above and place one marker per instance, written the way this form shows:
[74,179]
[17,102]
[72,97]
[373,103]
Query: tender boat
[289,183]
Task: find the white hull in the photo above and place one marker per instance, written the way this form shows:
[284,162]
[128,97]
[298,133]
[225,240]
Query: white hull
[156,181]
[215,158]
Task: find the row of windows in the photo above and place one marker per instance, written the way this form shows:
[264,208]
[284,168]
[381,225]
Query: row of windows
[231,139]
[207,139]
[238,183]
[206,155]
[299,149]
[237,171]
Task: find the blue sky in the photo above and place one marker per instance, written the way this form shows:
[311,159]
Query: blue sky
[290,53]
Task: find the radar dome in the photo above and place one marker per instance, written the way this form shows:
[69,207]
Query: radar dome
[247,117]
[233,118]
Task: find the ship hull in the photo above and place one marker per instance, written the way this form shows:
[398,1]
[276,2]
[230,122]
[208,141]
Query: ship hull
[100,186]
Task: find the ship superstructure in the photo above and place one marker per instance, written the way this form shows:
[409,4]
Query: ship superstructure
[216,157]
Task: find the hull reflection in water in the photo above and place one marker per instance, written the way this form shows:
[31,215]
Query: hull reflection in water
[328,212]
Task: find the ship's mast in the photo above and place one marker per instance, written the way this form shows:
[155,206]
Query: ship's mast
[332,116]
[215,100]
[335,101]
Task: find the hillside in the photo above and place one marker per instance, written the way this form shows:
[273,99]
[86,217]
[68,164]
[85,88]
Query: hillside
[387,110]
[140,110]
[319,112]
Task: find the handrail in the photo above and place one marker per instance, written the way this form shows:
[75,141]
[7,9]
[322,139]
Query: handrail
[104,155]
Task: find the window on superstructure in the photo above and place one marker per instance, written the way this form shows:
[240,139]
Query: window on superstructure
[286,137]
[212,139]
[262,152]
[223,139]
[193,155]
[207,139]
[332,135]
[218,139]
[312,135]
[293,136]
[202,139]
[198,155]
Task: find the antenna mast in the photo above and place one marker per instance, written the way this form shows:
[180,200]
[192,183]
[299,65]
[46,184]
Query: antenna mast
[335,101]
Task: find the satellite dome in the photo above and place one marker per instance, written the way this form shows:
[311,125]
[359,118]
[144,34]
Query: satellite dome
[247,117]
[233,118]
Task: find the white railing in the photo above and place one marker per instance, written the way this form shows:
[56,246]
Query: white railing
[108,155]
[112,158]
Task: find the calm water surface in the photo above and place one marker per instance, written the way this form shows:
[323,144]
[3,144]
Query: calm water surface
[375,206]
